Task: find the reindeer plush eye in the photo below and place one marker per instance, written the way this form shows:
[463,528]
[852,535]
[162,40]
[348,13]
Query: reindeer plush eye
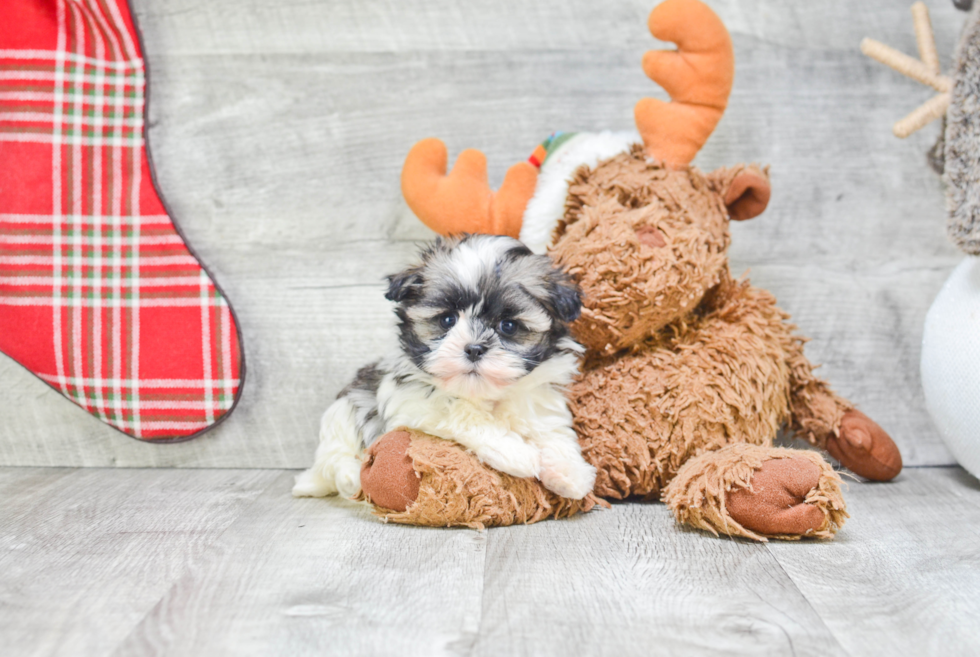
[447,321]
[507,327]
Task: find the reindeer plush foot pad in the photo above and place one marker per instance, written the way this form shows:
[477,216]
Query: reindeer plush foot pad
[388,476]
[775,500]
[759,493]
[415,479]
[864,448]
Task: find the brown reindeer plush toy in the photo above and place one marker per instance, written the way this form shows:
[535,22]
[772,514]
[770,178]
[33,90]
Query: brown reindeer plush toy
[689,374]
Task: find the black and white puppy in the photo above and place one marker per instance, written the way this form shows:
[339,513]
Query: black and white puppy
[485,353]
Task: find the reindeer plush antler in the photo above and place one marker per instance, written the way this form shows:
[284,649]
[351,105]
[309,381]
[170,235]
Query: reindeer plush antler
[463,201]
[698,76]
[924,70]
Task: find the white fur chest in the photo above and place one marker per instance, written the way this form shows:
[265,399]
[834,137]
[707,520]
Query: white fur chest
[421,407]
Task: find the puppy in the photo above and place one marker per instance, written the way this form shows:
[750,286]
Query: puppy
[484,353]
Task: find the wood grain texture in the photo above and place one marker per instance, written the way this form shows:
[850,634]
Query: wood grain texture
[85,554]
[320,577]
[187,27]
[223,562]
[629,581]
[904,577]
[278,132]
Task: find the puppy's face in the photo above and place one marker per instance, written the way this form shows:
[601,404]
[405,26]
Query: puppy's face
[479,312]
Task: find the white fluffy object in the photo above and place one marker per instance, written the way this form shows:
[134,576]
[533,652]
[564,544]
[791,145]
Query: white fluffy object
[547,206]
[950,364]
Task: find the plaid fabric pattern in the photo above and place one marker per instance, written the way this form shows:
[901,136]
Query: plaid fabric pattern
[99,296]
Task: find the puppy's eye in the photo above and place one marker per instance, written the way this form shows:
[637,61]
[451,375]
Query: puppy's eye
[507,327]
[447,321]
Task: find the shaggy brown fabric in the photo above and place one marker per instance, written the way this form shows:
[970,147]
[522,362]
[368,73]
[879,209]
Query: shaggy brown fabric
[698,494]
[684,363]
[456,489]
[632,288]
[723,376]
[815,410]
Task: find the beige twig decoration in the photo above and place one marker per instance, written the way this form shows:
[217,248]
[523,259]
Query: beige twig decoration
[924,70]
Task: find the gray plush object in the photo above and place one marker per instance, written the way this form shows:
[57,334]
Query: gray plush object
[962,136]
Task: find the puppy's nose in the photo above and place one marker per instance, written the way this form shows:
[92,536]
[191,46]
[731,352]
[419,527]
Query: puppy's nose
[474,351]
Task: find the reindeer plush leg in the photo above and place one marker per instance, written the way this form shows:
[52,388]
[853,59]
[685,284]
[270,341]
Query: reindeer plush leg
[832,423]
[415,479]
[758,492]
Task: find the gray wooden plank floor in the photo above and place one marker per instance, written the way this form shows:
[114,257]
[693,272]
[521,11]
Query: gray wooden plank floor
[225,562]
[278,129]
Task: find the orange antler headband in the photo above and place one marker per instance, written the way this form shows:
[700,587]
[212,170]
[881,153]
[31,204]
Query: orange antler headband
[698,76]
[463,200]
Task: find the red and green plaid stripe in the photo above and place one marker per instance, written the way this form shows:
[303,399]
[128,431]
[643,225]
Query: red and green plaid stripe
[544,150]
[99,295]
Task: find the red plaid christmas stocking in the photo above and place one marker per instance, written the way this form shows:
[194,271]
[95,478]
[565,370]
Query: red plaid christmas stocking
[99,295]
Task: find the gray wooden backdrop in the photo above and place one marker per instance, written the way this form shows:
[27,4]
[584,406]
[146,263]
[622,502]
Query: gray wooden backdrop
[278,130]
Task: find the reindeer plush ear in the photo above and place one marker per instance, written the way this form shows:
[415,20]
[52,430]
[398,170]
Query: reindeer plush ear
[744,190]
[748,195]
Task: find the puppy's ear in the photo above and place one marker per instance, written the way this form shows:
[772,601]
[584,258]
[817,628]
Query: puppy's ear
[405,286]
[566,296]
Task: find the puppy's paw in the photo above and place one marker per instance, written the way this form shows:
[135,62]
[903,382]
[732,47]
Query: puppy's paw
[349,478]
[312,483]
[570,477]
[513,457]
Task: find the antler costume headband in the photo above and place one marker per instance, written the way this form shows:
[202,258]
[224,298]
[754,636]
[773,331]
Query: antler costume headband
[698,76]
